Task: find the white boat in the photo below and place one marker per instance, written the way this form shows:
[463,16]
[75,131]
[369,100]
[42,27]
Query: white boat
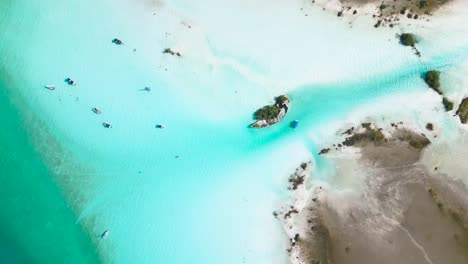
[49,86]
[159,126]
[105,234]
[96,111]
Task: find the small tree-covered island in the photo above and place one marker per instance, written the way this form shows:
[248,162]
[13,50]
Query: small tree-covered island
[271,114]
[407,39]
[432,79]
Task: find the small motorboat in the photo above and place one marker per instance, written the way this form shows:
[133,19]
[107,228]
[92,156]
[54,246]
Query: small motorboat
[105,234]
[96,111]
[70,81]
[148,89]
[117,41]
[160,126]
[106,125]
[50,87]
[294,123]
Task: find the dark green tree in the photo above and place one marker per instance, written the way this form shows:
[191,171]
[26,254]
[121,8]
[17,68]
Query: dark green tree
[432,78]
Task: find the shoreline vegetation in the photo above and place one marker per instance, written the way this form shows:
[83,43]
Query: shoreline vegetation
[386,12]
[432,79]
[369,134]
[271,114]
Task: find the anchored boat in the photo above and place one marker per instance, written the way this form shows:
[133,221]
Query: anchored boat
[294,123]
[70,81]
[105,234]
[117,41]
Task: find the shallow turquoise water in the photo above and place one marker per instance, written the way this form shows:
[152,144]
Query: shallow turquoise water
[36,223]
[214,204]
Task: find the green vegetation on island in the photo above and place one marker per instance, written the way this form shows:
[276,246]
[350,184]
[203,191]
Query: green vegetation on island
[271,114]
[462,111]
[267,112]
[281,99]
[432,79]
[407,39]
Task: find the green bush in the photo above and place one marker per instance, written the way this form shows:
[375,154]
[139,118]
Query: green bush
[281,99]
[432,78]
[267,112]
[407,39]
[448,105]
[462,111]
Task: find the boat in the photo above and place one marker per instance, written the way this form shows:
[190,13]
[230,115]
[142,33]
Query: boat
[117,41]
[294,123]
[159,126]
[106,125]
[50,87]
[105,234]
[148,89]
[96,111]
[70,81]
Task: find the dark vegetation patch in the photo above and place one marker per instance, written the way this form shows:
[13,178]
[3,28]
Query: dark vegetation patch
[369,135]
[267,112]
[324,151]
[407,39]
[171,52]
[290,212]
[448,105]
[295,180]
[462,111]
[429,126]
[432,79]
[418,142]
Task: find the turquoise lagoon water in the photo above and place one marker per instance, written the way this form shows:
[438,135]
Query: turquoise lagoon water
[212,205]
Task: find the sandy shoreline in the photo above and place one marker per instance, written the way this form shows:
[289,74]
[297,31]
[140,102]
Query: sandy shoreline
[405,211]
